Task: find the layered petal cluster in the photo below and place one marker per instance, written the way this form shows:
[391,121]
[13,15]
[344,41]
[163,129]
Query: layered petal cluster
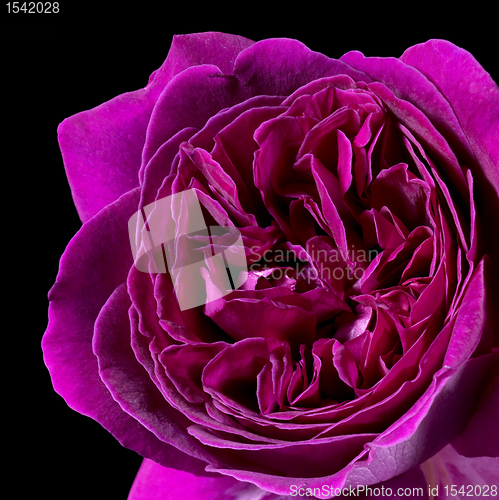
[362,341]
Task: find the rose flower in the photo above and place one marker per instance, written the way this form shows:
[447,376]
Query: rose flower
[361,347]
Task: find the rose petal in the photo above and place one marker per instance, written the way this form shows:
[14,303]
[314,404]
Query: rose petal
[403,193]
[176,109]
[310,458]
[411,86]
[270,318]
[101,147]
[279,66]
[130,384]
[473,94]
[184,366]
[420,433]
[468,477]
[219,49]
[231,376]
[154,482]
[95,262]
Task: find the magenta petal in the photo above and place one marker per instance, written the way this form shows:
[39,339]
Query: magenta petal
[131,386]
[95,264]
[154,482]
[102,147]
[184,366]
[231,376]
[268,318]
[416,102]
[470,320]
[431,423]
[96,261]
[472,93]
[468,477]
[220,49]
[176,108]
[279,66]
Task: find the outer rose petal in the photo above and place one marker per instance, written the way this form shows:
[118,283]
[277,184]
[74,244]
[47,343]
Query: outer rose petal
[154,482]
[95,263]
[472,93]
[131,386]
[102,147]
[448,468]
[279,66]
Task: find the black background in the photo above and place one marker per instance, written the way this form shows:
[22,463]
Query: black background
[55,65]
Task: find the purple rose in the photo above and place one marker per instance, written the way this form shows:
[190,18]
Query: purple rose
[361,349]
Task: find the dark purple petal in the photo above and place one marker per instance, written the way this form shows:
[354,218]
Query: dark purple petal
[480,438]
[403,194]
[184,366]
[231,377]
[266,318]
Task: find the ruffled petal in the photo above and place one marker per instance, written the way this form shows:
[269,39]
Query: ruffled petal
[176,108]
[131,386]
[96,261]
[438,415]
[102,147]
[420,106]
[471,92]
